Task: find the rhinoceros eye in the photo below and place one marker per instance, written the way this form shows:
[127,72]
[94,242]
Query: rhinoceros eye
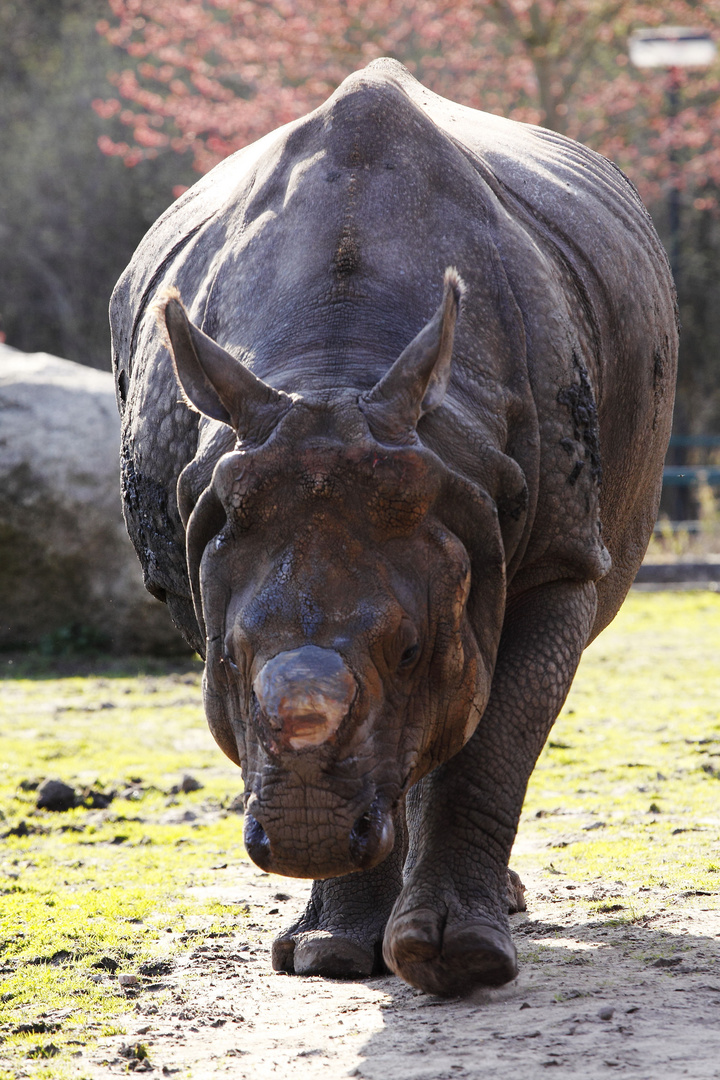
[409,655]
[407,645]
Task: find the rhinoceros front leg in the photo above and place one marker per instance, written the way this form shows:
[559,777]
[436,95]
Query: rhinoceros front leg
[449,930]
[341,931]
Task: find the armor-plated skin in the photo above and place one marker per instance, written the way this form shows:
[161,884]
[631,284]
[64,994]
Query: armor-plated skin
[393,540]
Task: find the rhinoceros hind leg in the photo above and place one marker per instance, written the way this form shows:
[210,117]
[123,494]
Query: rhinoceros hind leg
[515,893]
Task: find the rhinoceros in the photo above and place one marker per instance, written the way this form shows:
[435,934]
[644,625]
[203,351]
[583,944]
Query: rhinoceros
[396,385]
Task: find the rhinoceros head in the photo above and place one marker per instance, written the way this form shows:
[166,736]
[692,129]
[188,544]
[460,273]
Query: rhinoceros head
[348,653]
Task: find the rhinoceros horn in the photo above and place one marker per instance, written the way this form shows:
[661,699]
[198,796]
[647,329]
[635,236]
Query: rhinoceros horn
[213,380]
[417,381]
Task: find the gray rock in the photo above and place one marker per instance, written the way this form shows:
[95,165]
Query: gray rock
[127,980]
[67,568]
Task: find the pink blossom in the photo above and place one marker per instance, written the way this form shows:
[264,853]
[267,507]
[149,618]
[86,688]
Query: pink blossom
[212,76]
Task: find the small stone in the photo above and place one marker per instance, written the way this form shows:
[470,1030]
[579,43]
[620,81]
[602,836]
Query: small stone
[525,1005]
[134,1051]
[47,1051]
[155,968]
[96,800]
[107,963]
[29,785]
[606,1013]
[189,783]
[36,1027]
[21,829]
[55,795]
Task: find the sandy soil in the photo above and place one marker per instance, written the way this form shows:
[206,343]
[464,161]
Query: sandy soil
[594,999]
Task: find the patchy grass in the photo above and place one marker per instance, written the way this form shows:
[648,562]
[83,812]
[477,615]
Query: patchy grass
[627,790]
[91,893]
[624,807]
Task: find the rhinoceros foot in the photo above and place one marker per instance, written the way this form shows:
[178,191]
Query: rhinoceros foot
[320,952]
[448,954]
[341,931]
[340,936]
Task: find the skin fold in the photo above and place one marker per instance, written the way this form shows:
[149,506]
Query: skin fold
[396,385]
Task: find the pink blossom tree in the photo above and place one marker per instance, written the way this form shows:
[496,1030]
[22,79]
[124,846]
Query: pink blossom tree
[209,76]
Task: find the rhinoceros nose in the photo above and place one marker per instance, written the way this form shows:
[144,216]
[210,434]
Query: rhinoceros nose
[305,694]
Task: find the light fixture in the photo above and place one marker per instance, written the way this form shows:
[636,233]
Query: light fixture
[671,46]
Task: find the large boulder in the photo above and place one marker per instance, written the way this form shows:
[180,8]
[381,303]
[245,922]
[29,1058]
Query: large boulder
[67,567]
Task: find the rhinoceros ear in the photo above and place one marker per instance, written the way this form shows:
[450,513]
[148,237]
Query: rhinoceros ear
[417,381]
[213,381]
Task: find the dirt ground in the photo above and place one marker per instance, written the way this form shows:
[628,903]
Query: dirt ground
[617,978]
[595,998]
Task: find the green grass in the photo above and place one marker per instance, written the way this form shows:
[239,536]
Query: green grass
[102,886]
[635,752]
[627,789]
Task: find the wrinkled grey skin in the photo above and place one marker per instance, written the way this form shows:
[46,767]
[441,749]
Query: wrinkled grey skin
[395,529]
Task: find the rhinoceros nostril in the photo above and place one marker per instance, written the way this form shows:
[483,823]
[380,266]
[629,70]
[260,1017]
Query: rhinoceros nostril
[372,836]
[257,844]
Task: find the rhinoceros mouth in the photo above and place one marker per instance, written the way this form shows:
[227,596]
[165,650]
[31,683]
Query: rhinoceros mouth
[329,845]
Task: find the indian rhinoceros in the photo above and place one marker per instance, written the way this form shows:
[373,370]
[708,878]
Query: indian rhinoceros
[415,339]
